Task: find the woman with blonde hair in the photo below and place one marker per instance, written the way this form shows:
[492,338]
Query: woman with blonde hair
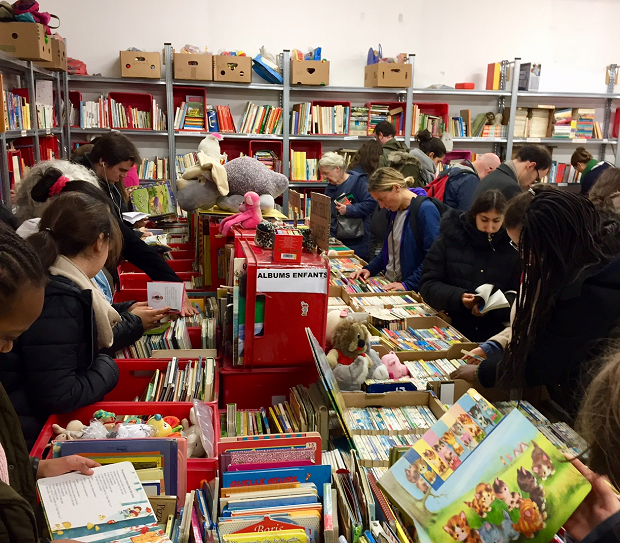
[352,206]
[413,226]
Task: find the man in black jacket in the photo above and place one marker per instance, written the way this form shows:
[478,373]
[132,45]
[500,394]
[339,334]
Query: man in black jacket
[111,158]
[531,164]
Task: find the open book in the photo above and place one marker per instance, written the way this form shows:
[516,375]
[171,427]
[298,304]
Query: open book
[478,476]
[110,505]
[492,300]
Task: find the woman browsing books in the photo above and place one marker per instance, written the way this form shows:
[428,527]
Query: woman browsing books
[22,294]
[352,206]
[412,228]
[473,249]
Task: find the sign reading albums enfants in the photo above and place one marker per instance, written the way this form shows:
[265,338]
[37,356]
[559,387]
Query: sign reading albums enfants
[311,280]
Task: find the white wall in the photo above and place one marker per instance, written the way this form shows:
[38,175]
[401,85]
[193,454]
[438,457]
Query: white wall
[454,40]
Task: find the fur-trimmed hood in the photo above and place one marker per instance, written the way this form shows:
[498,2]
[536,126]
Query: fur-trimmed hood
[398,159]
[27,208]
[456,226]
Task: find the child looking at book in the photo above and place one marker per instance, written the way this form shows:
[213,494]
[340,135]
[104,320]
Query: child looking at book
[569,299]
[22,292]
[351,207]
[404,248]
[473,249]
[56,366]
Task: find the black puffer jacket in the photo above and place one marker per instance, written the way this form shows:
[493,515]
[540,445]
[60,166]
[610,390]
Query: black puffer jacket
[462,259]
[56,366]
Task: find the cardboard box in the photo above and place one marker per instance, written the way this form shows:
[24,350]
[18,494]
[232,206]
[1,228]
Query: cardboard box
[194,67]
[309,72]
[346,296]
[59,56]
[386,74]
[453,352]
[26,41]
[232,69]
[140,64]
[287,248]
[334,290]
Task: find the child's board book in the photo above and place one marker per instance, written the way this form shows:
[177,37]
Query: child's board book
[475,476]
[162,294]
[109,505]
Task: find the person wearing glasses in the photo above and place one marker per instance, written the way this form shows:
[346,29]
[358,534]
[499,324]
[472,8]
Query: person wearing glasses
[530,165]
[473,249]
[569,301]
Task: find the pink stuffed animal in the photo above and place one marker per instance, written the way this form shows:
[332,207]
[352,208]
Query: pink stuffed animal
[249,215]
[396,369]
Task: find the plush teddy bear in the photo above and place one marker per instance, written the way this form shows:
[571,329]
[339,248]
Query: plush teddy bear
[351,359]
[334,317]
[396,369]
[202,186]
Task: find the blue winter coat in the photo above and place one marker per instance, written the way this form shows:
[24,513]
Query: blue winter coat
[411,256]
[460,186]
[362,207]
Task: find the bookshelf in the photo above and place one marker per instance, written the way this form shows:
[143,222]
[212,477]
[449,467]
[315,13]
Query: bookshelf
[285,95]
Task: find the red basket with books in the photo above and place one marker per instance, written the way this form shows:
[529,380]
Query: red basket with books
[198,469]
[180,265]
[139,280]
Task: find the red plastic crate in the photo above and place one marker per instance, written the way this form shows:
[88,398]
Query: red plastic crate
[136,373]
[328,103]
[128,294]
[180,265]
[198,469]
[436,109]
[266,145]
[179,95]
[313,150]
[242,234]
[139,280]
[181,246]
[235,148]
[400,129]
[260,387]
[136,100]
[182,254]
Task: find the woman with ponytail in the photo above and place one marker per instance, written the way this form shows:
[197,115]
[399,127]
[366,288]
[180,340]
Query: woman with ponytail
[56,366]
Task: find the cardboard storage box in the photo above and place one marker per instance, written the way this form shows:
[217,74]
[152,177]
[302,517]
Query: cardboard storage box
[59,56]
[309,72]
[232,69]
[140,64]
[387,74]
[195,67]
[26,41]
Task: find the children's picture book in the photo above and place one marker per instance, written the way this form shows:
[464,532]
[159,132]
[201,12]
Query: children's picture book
[109,505]
[479,477]
[162,294]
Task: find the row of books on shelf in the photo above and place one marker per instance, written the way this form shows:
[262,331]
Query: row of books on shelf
[190,115]
[562,173]
[261,119]
[171,335]
[380,112]
[316,119]
[154,199]
[133,118]
[16,112]
[153,169]
[92,114]
[304,168]
[576,123]
[306,207]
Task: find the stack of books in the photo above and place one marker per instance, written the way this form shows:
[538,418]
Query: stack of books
[153,169]
[195,381]
[16,112]
[358,125]
[330,119]
[584,118]
[94,114]
[521,123]
[564,127]
[539,122]
[380,112]
[301,119]
[190,115]
[303,168]
[224,120]
[133,118]
[417,339]
[261,119]
[494,131]
[269,159]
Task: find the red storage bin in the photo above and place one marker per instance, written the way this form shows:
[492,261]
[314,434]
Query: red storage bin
[261,387]
[235,148]
[139,280]
[275,146]
[180,94]
[295,298]
[182,255]
[134,375]
[399,125]
[242,234]
[128,294]
[136,100]
[214,251]
[181,246]
[181,265]
[327,103]
[436,109]
[198,469]
[313,150]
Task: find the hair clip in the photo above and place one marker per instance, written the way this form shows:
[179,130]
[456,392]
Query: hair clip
[531,191]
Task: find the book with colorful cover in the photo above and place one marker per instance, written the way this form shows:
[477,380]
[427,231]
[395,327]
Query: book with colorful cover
[159,199]
[478,476]
[140,200]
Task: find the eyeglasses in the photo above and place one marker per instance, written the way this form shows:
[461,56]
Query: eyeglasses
[514,245]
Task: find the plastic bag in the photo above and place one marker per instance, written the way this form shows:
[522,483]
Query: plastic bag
[96,430]
[204,420]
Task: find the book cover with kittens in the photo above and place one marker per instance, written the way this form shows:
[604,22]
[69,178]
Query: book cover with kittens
[478,477]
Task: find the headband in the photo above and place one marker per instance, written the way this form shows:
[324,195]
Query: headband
[59,185]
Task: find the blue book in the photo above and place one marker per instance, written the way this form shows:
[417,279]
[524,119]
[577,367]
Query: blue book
[212,124]
[318,474]
[277,501]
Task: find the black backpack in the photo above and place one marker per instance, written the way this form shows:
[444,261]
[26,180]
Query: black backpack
[413,214]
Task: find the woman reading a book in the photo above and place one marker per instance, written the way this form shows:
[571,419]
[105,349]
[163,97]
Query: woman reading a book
[589,168]
[352,206]
[473,249]
[22,292]
[56,366]
[412,228]
[569,300]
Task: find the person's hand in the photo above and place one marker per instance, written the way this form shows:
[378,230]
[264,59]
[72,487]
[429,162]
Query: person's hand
[394,286]
[475,311]
[360,274]
[149,316]
[137,304]
[478,351]
[341,208]
[188,310]
[469,300]
[467,372]
[66,464]
[600,504]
